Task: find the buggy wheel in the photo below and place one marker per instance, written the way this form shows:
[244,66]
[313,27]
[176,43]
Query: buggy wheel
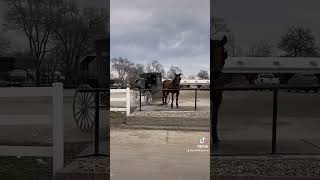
[83,108]
[147,97]
[136,96]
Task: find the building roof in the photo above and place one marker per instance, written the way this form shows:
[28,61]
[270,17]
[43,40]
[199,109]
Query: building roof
[271,65]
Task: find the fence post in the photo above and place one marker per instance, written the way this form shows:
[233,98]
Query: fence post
[57,127]
[140,99]
[96,120]
[128,101]
[195,100]
[274,120]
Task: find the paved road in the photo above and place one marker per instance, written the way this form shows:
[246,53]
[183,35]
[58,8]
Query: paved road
[246,123]
[248,115]
[158,154]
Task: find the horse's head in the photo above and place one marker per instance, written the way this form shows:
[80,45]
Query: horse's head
[176,80]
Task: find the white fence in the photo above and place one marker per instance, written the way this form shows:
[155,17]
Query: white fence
[195,82]
[122,99]
[57,149]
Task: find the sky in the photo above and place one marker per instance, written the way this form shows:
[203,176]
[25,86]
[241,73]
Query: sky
[267,20]
[174,32]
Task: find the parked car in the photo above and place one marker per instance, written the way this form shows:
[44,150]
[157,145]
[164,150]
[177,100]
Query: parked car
[304,80]
[266,79]
[4,83]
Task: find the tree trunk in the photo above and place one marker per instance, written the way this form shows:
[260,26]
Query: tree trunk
[76,73]
[38,74]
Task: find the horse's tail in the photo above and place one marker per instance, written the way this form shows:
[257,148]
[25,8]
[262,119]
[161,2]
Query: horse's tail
[164,83]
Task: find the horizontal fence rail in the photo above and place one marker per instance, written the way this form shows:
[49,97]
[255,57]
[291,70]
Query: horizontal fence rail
[56,119]
[125,99]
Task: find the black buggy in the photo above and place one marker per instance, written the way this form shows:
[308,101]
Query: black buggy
[146,82]
[93,74]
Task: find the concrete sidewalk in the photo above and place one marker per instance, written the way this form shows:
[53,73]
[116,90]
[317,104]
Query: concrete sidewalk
[158,154]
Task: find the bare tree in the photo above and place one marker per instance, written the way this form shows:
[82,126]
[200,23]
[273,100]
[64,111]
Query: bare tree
[172,71]
[260,49]
[231,46]
[139,68]
[121,66]
[4,46]
[192,77]
[155,66]
[203,74]
[34,19]
[298,41]
[133,74]
[74,34]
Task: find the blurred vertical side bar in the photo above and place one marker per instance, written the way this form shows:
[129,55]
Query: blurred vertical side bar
[103,80]
[210,86]
[218,55]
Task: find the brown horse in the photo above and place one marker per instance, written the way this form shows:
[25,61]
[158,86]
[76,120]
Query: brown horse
[172,87]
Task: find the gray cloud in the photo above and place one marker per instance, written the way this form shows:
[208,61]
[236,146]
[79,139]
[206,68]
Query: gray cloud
[173,32]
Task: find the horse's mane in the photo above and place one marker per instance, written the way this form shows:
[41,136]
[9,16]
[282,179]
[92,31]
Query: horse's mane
[173,83]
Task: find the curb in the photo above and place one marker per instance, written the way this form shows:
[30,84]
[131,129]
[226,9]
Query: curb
[222,177]
[151,127]
[82,176]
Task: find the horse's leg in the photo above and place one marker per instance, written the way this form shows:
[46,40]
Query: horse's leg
[172,95]
[177,98]
[163,95]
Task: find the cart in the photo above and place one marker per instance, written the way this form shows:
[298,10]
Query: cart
[145,84]
[93,74]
